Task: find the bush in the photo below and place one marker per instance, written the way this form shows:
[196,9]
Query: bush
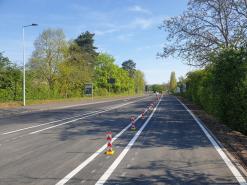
[230,86]
[221,88]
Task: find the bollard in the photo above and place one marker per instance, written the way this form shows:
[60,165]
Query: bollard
[133,127]
[143,117]
[109,150]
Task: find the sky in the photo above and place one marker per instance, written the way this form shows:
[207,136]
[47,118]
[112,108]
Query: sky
[125,29]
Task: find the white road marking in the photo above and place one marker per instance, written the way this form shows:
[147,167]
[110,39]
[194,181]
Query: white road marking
[43,124]
[73,120]
[83,181]
[123,174]
[132,158]
[114,165]
[128,165]
[93,171]
[228,162]
[97,112]
[91,158]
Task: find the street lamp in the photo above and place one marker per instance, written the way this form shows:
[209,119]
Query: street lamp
[24,68]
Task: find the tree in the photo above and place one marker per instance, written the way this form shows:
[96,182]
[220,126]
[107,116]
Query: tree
[47,55]
[129,66]
[74,71]
[139,81]
[4,65]
[10,79]
[106,69]
[205,27]
[158,88]
[86,42]
[173,82]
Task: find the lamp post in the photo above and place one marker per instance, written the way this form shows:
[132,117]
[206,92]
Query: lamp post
[24,64]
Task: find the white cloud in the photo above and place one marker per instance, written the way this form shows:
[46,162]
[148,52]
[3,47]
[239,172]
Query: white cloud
[103,32]
[139,9]
[143,23]
[125,37]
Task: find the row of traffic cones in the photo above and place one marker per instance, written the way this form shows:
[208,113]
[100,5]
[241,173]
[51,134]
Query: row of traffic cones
[150,107]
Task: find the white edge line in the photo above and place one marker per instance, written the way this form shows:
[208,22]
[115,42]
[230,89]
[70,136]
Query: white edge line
[89,159]
[228,162]
[114,165]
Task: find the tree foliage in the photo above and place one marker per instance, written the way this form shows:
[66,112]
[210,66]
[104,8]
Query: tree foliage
[60,69]
[173,82]
[206,26]
[221,88]
[129,66]
[47,55]
[10,79]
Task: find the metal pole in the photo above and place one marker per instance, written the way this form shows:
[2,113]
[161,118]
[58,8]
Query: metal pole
[24,68]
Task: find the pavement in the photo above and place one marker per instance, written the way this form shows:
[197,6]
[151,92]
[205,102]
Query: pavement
[66,146]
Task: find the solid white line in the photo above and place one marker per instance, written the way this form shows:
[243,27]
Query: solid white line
[228,162]
[92,103]
[114,165]
[73,120]
[97,112]
[91,158]
[43,124]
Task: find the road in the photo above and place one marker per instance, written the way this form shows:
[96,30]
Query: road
[67,146]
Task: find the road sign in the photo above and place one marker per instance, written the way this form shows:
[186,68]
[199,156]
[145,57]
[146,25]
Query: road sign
[89,89]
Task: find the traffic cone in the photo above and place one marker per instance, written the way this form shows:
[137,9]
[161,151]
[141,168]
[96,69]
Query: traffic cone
[133,127]
[109,150]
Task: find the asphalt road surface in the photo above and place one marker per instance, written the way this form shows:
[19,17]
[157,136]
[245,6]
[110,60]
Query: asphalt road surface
[67,147]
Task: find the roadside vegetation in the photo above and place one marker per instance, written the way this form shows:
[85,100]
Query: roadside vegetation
[212,35]
[60,69]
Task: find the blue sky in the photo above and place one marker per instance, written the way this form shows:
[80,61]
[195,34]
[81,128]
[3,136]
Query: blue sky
[126,29]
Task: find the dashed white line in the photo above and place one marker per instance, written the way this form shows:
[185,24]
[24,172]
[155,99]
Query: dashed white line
[93,171]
